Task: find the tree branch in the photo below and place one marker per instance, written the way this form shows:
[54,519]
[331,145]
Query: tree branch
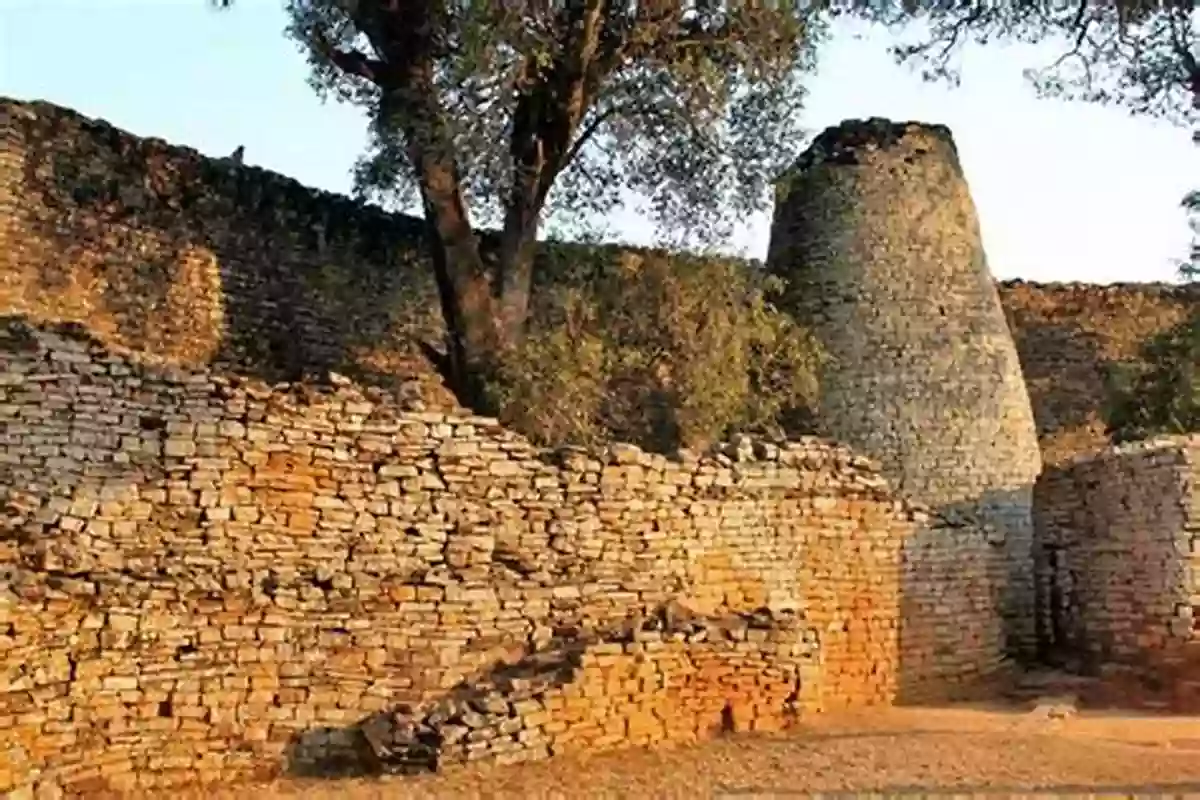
[588,131]
[356,63]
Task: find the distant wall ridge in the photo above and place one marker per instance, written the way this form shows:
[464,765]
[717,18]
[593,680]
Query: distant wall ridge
[185,258]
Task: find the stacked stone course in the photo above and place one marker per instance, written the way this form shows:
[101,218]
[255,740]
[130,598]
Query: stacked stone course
[876,237]
[1119,538]
[208,578]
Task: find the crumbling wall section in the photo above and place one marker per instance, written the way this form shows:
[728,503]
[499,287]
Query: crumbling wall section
[207,578]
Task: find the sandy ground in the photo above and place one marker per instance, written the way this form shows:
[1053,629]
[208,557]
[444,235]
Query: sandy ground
[956,750]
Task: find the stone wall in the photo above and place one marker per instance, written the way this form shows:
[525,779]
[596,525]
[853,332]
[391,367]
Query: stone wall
[204,576]
[206,579]
[158,249]
[1118,545]
[876,236]
[1069,336]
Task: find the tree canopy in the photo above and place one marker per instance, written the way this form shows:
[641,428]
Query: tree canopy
[570,103]
[488,113]
[1141,55]
[497,114]
[1137,54]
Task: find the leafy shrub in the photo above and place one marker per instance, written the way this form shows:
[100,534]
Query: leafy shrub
[664,351]
[1162,393]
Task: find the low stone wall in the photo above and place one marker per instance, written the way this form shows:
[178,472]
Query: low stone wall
[1118,536]
[207,579]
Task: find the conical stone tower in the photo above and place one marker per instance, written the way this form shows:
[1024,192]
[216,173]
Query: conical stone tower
[876,237]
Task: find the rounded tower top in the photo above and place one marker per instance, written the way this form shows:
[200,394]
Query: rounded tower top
[877,240]
[845,142]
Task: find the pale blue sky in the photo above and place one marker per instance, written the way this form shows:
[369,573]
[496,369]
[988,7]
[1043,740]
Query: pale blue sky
[1064,191]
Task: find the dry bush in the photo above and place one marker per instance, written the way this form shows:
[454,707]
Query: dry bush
[664,351]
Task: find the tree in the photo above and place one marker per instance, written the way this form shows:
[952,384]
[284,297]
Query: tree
[663,350]
[1137,54]
[493,113]
[1161,392]
[1190,269]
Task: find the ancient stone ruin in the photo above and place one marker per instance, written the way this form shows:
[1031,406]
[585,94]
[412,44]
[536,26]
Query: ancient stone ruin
[244,533]
[876,236]
[237,575]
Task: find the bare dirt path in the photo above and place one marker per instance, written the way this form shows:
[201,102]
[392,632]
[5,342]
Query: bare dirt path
[959,750]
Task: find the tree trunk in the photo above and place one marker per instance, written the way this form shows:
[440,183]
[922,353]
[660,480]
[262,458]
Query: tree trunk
[485,311]
[463,281]
[469,315]
[545,121]
[514,269]
[465,291]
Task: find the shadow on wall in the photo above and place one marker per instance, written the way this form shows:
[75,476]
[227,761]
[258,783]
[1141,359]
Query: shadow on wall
[951,636]
[329,559]
[1070,337]
[1117,576]
[1115,534]
[967,600]
[158,249]
[672,676]
[959,616]
[1066,373]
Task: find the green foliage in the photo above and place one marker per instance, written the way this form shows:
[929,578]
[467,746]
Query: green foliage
[690,104]
[1161,393]
[661,351]
[1190,269]
[500,114]
[1135,54]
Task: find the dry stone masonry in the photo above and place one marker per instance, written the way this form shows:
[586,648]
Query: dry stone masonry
[1119,544]
[876,235]
[209,574]
[208,578]
[160,250]
[191,260]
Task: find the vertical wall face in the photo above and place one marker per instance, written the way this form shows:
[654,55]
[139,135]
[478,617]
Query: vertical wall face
[156,249]
[202,578]
[876,236]
[1116,538]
